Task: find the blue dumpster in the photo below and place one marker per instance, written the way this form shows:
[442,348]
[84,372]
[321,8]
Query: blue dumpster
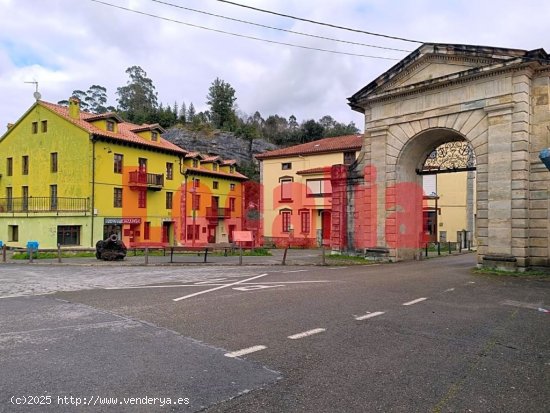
[545,157]
[1,244]
[32,245]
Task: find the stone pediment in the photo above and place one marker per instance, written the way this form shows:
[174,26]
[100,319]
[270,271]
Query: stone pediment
[431,63]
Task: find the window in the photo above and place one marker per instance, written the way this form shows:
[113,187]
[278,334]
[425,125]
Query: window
[53,162]
[25,165]
[110,126]
[215,185]
[232,204]
[25,196]
[231,187]
[34,127]
[305,222]
[142,199]
[195,163]
[349,157]
[13,233]
[9,198]
[196,182]
[214,166]
[9,166]
[286,215]
[169,170]
[68,234]
[169,198]
[193,234]
[53,197]
[146,230]
[286,189]
[44,126]
[196,201]
[118,162]
[154,136]
[318,187]
[286,166]
[117,198]
[142,162]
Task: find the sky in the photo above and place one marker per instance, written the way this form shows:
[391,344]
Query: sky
[72,44]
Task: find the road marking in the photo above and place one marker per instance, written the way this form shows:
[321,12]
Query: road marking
[415,301]
[219,288]
[369,315]
[244,351]
[288,272]
[213,280]
[531,306]
[306,333]
[449,290]
[471,282]
[336,268]
[255,287]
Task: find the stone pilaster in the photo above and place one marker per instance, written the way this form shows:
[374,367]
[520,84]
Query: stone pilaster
[499,177]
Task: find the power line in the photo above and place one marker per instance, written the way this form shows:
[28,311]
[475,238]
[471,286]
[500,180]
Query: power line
[277,28]
[321,23]
[240,35]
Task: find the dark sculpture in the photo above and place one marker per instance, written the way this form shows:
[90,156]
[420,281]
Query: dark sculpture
[111,249]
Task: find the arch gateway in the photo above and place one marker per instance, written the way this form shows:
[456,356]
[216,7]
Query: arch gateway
[494,100]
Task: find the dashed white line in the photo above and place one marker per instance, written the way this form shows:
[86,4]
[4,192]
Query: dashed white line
[219,288]
[415,301]
[244,351]
[448,290]
[369,315]
[288,272]
[306,333]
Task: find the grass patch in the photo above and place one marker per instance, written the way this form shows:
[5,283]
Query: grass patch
[256,252]
[50,255]
[347,259]
[529,274]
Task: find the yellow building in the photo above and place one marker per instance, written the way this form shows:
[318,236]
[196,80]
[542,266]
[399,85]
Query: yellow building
[450,207]
[72,178]
[296,200]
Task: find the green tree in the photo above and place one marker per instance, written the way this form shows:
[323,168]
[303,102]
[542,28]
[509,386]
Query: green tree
[183,113]
[221,99]
[191,113]
[138,99]
[311,131]
[96,99]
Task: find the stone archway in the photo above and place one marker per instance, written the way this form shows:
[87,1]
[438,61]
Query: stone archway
[495,99]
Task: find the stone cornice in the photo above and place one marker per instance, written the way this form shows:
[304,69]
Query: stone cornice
[442,82]
[424,60]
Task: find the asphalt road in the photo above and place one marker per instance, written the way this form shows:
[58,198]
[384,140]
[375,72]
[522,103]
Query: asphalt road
[424,336]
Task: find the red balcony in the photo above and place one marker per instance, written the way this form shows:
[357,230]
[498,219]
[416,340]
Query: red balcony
[139,180]
[215,213]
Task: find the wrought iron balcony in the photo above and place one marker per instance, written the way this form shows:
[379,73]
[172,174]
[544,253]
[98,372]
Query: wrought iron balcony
[139,179]
[43,204]
[218,213]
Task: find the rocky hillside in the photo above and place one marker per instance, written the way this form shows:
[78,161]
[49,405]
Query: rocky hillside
[224,144]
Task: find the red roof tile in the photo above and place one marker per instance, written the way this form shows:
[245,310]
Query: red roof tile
[327,145]
[124,133]
[235,175]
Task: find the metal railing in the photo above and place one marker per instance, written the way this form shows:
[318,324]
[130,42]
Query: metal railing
[218,213]
[43,204]
[144,178]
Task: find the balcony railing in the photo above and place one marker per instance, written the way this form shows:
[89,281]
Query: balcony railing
[43,204]
[218,213]
[141,179]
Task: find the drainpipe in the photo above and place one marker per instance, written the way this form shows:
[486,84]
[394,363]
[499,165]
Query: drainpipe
[93,191]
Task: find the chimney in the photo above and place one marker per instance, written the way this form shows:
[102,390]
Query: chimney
[10,125]
[74,108]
